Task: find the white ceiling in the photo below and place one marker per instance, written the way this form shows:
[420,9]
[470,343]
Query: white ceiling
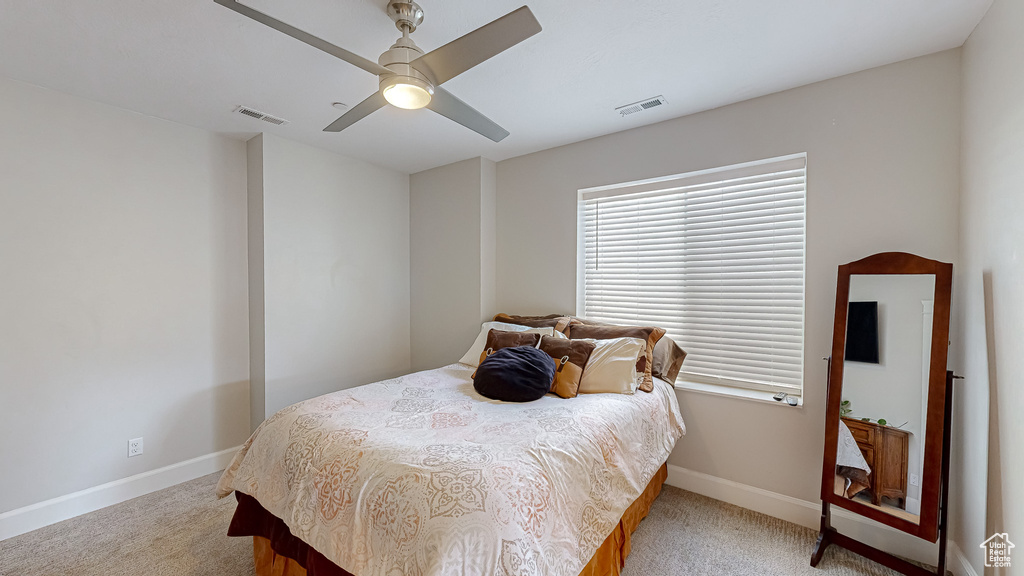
[194,62]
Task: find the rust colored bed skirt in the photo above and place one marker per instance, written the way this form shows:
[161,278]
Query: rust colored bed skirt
[277,553]
[611,556]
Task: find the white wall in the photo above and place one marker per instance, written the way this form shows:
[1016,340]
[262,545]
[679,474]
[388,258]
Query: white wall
[122,293]
[883,175]
[335,272]
[453,238]
[989,454]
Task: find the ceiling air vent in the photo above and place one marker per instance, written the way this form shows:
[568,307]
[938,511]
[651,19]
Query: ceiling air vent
[640,106]
[252,113]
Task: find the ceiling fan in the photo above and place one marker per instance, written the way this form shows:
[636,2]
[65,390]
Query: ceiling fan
[411,79]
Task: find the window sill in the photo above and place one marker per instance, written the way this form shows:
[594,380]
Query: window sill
[715,390]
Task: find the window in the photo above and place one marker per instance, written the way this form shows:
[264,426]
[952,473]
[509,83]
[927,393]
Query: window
[715,257]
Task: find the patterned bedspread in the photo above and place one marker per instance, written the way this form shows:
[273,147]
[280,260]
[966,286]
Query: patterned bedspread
[422,476]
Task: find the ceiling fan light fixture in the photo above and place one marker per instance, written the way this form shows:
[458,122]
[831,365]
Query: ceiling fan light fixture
[407,92]
[407,75]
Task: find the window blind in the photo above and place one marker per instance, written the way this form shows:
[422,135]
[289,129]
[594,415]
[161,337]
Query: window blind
[715,257]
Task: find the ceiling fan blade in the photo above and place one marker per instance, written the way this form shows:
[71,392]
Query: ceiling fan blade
[461,54]
[354,59]
[447,105]
[358,112]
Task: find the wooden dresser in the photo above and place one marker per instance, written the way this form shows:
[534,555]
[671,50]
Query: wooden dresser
[886,449]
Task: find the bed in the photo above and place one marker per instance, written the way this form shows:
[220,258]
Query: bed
[420,475]
[852,470]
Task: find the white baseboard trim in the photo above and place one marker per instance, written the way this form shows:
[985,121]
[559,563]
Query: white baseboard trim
[808,514]
[40,514]
[957,561]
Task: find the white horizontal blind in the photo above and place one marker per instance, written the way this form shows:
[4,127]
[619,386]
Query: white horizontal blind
[716,258]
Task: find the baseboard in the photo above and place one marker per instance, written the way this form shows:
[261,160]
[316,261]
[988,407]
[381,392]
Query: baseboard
[957,561]
[808,514]
[35,516]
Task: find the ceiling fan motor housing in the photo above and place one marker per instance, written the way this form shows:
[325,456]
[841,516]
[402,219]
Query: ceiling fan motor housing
[397,60]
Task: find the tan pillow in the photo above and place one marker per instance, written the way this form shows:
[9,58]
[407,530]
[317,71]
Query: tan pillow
[668,360]
[571,358]
[649,334]
[557,321]
[612,366]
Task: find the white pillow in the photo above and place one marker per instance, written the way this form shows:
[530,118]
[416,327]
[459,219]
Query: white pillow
[612,366]
[472,357]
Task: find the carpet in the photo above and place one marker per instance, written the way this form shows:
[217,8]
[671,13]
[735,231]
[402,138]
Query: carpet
[686,533]
[180,531]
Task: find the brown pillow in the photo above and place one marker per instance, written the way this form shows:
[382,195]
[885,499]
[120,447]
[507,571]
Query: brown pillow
[557,321]
[668,360]
[668,356]
[498,339]
[650,334]
[570,359]
[641,363]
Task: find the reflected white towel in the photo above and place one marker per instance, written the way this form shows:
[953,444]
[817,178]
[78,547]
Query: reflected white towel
[848,453]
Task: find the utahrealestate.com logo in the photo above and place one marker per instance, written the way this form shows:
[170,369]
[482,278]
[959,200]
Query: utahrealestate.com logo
[997,550]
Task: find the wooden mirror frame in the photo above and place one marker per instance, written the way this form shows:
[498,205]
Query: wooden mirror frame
[894,263]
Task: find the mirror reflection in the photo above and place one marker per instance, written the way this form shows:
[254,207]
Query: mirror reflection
[884,392]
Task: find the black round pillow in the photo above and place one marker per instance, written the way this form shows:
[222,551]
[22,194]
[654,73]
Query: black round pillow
[517,374]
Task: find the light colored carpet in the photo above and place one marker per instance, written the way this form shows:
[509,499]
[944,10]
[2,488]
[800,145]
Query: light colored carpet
[181,532]
[686,533]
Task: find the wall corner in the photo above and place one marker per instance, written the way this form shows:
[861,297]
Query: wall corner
[257,301]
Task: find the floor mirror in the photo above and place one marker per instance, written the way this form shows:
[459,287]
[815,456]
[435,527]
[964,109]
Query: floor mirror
[887,417]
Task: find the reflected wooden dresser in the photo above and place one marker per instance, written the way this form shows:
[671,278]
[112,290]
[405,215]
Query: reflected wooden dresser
[886,449]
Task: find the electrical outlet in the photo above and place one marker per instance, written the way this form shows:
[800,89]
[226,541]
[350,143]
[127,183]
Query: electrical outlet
[134,447]
[915,480]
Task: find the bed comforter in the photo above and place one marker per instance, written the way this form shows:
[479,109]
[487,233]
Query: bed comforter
[422,476]
[850,463]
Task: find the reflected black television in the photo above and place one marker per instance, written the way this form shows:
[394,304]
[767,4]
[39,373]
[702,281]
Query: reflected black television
[862,332]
